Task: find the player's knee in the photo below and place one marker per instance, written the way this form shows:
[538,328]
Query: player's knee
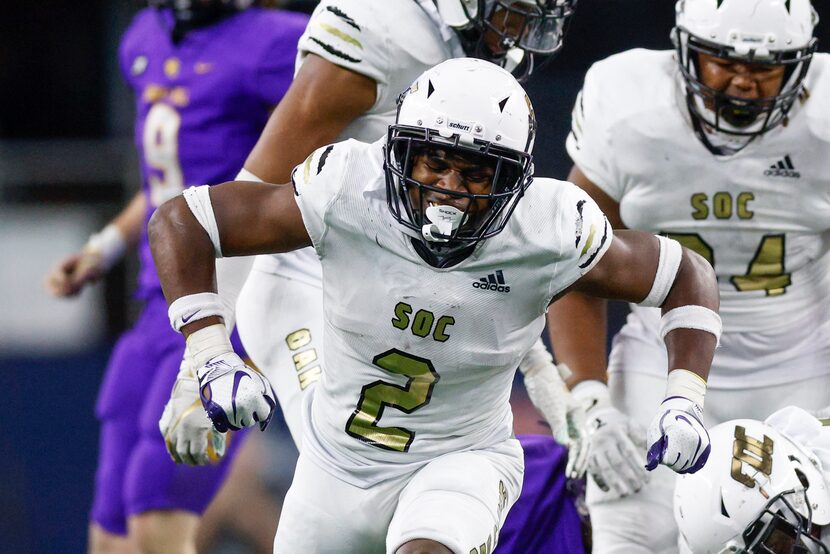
[423,546]
[458,473]
[164,532]
[104,542]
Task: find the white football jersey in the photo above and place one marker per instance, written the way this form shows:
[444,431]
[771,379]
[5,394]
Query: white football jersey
[761,216]
[420,361]
[392,42]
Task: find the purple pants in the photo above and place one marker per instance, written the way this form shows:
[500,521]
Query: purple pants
[135,473]
[544,518]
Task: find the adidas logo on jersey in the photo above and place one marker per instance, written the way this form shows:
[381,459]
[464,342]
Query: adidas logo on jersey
[784,168]
[494,281]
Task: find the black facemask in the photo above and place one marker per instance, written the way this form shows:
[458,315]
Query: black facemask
[536,28]
[741,120]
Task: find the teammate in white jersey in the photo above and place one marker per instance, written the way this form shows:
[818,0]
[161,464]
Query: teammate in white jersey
[723,145]
[764,489]
[408,436]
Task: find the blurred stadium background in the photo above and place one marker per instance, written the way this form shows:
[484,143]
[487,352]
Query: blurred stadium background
[67,164]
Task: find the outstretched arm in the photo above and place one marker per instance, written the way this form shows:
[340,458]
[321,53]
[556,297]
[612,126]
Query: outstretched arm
[103,250]
[186,234]
[249,218]
[578,323]
[627,272]
[639,267]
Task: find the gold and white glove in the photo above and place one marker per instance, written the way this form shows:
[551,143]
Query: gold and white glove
[616,443]
[188,432]
[545,385]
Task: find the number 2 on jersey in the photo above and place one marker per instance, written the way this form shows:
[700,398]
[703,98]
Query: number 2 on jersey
[765,271]
[376,396]
[161,152]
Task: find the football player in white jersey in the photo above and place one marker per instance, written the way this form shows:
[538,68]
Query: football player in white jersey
[723,145]
[353,61]
[407,442]
[764,488]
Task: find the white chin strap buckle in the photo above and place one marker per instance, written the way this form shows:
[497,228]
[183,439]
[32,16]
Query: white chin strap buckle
[445,220]
[513,58]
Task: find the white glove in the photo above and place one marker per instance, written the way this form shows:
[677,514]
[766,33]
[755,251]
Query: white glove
[188,433]
[573,436]
[234,395]
[545,385]
[616,442]
[677,437]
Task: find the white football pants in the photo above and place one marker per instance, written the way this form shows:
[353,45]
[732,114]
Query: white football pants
[280,322]
[459,500]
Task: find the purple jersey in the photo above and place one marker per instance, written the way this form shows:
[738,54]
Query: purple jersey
[201,106]
[544,518]
[202,103]
[135,473]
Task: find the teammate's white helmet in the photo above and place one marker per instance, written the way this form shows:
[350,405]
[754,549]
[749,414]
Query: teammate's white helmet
[770,32]
[759,492]
[524,32]
[468,107]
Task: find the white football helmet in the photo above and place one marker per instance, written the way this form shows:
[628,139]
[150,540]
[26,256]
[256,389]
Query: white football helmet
[765,32]
[523,32]
[759,492]
[471,108]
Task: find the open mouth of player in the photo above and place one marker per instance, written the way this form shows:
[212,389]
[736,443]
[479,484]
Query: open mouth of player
[739,116]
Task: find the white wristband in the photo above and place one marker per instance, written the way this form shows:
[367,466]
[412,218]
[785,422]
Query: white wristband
[108,243]
[205,344]
[691,317]
[686,384]
[198,200]
[667,265]
[194,307]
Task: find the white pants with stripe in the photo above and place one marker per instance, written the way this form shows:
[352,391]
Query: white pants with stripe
[280,322]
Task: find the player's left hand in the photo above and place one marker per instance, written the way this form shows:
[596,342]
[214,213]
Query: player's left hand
[234,395]
[677,437]
[188,433]
[572,435]
[545,385]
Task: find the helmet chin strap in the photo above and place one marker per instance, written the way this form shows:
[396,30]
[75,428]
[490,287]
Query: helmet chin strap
[444,220]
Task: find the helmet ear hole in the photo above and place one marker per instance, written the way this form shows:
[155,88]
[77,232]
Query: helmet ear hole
[802,478]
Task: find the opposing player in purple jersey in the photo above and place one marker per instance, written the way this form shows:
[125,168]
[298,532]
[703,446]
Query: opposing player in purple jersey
[353,62]
[206,75]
